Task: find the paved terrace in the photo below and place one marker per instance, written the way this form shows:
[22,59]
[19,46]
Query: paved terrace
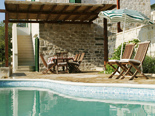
[85,77]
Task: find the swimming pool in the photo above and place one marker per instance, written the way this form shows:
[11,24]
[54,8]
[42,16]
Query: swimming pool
[46,98]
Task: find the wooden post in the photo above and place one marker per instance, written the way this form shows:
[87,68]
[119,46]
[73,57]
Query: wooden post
[118,24]
[105,43]
[6,40]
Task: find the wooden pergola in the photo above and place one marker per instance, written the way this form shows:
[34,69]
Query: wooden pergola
[47,12]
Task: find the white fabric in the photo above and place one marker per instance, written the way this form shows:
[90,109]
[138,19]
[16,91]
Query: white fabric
[50,60]
[113,61]
[62,63]
[130,60]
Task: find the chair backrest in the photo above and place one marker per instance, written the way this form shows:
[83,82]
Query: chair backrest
[141,51]
[78,58]
[75,58]
[81,58]
[61,57]
[43,60]
[128,51]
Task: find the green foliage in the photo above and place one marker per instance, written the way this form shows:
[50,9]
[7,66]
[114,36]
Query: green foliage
[2,41]
[149,64]
[117,52]
[109,69]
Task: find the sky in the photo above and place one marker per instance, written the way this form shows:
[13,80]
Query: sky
[2,7]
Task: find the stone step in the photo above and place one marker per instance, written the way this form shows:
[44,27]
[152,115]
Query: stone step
[23,59]
[26,63]
[25,68]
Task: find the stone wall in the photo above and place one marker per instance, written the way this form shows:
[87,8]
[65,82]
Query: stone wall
[85,38]
[73,38]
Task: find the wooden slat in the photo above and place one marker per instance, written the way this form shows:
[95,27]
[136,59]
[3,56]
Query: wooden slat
[63,10]
[49,14]
[17,9]
[84,11]
[29,8]
[96,10]
[55,11]
[41,8]
[75,9]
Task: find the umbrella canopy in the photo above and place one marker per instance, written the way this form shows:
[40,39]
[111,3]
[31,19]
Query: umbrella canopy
[126,15]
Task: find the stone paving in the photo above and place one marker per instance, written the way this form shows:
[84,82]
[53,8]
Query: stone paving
[85,77]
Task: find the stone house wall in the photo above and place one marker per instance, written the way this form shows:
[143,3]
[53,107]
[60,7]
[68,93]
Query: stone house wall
[78,38]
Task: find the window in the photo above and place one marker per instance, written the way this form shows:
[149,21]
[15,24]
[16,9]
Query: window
[75,1]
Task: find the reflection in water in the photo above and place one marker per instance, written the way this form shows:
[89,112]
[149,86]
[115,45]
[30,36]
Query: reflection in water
[18,102]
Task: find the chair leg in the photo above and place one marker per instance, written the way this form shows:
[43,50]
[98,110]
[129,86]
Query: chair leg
[120,75]
[139,71]
[113,73]
[127,72]
[132,77]
[116,70]
[57,70]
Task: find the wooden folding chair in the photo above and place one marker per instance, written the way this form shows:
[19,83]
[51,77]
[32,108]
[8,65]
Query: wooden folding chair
[74,66]
[48,67]
[137,62]
[126,55]
[62,61]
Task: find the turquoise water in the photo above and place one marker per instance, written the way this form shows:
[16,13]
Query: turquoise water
[23,102]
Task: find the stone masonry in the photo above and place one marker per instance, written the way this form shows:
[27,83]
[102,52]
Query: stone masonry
[78,38]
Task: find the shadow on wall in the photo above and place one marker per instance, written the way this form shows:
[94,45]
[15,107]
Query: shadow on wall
[74,39]
[147,33]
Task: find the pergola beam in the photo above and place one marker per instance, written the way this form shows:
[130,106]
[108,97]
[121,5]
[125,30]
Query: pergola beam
[60,22]
[55,13]
[105,42]
[2,11]
[118,24]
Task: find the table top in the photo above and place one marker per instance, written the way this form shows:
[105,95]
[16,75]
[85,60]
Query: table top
[51,59]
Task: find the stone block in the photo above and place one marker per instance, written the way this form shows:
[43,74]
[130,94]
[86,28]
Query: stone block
[5,72]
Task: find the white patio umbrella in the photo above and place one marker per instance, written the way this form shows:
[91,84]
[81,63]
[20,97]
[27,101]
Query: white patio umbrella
[125,15]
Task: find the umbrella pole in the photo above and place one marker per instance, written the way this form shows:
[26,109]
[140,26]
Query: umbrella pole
[123,38]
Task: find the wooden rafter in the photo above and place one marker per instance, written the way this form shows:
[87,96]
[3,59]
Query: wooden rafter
[93,18]
[63,10]
[49,14]
[96,10]
[86,10]
[41,8]
[75,9]
[58,12]
[17,9]
[29,8]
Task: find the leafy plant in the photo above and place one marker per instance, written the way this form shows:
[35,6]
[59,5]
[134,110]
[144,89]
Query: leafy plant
[149,64]
[2,41]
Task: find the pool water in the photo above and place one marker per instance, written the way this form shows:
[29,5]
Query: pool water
[35,102]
